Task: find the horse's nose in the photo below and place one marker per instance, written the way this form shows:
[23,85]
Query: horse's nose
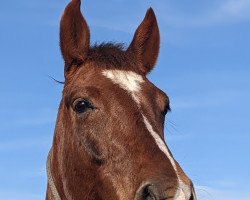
[154,191]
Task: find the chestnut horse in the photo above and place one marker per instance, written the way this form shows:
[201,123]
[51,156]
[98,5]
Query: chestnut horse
[109,141]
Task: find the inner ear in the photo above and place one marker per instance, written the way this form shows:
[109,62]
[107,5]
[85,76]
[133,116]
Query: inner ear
[146,43]
[74,35]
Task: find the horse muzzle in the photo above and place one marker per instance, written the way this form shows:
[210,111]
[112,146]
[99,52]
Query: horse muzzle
[156,191]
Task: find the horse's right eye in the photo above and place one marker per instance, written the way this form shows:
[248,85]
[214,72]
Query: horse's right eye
[82,105]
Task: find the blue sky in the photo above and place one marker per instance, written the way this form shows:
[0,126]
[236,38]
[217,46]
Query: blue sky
[204,66]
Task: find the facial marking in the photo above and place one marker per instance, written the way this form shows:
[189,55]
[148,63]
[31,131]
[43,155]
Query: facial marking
[128,80]
[159,142]
[183,191]
[131,82]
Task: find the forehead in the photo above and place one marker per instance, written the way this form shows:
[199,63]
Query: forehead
[135,84]
[128,80]
[132,82]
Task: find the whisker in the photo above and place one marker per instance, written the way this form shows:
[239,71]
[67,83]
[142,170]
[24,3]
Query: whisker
[205,193]
[172,128]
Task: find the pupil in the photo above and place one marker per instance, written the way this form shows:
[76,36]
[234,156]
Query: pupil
[81,106]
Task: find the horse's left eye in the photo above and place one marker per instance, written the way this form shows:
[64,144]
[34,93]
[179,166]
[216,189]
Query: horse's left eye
[166,109]
[80,106]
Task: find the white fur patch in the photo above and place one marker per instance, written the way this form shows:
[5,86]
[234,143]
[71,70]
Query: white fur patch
[183,192]
[131,82]
[128,80]
[159,142]
[180,196]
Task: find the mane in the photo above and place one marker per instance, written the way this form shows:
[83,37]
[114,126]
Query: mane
[112,54]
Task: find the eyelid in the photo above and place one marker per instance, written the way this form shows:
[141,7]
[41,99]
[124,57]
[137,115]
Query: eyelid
[76,100]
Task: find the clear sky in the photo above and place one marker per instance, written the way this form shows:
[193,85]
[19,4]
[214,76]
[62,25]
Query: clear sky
[204,67]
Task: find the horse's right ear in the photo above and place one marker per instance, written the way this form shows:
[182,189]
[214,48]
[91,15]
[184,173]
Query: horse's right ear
[74,35]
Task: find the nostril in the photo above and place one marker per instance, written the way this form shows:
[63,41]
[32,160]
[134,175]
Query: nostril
[156,191]
[146,192]
[193,196]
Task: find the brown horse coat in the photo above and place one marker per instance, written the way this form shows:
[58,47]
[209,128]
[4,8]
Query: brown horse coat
[109,142]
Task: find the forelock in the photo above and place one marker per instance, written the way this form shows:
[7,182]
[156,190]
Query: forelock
[112,56]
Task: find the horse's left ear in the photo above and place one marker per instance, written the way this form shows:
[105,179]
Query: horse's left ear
[146,43]
[74,36]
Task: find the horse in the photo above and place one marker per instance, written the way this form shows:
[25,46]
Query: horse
[109,141]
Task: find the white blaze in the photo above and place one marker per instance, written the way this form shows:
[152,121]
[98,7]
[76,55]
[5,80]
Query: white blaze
[159,142]
[131,81]
[183,191]
[128,80]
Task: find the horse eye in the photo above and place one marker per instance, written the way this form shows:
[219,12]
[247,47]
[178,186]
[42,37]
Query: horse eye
[82,105]
[166,109]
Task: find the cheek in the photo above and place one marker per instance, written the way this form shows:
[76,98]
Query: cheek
[93,125]
[93,149]
[89,135]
